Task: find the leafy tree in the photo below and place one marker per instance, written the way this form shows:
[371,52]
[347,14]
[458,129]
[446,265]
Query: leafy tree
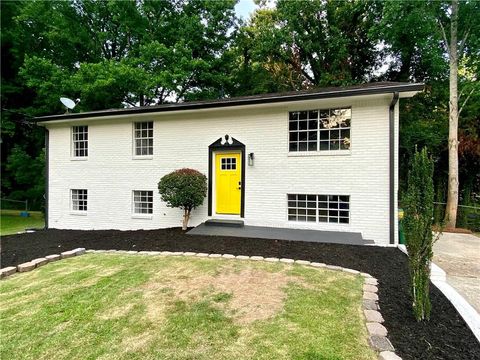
[309,43]
[438,42]
[109,54]
[130,53]
[455,50]
[185,189]
[137,53]
[16,127]
[418,230]
[28,174]
[410,43]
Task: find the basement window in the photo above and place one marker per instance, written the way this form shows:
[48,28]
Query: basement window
[319,208]
[142,202]
[319,130]
[79,199]
[80,141]
[143,138]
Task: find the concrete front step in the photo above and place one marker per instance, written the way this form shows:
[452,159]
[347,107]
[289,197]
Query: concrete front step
[224,222]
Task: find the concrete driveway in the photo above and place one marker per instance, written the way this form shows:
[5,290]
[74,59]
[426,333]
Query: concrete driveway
[459,256]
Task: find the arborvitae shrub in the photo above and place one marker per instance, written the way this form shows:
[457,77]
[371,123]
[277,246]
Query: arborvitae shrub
[418,221]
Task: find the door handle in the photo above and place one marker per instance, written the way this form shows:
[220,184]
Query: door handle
[239,185]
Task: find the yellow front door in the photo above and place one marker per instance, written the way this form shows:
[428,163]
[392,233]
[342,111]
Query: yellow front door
[228,183]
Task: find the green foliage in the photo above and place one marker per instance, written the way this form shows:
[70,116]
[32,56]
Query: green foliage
[185,189]
[415,47]
[132,53]
[28,173]
[307,43]
[114,54]
[469,210]
[110,54]
[418,205]
[409,29]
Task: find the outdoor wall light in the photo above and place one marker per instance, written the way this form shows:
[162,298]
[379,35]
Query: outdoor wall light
[250,159]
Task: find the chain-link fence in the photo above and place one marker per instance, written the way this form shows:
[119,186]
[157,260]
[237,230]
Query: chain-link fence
[11,204]
[468,217]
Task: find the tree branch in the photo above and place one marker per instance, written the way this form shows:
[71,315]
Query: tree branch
[165,95]
[468,97]
[302,70]
[130,103]
[185,86]
[309,78]
[444,34]
[462,43]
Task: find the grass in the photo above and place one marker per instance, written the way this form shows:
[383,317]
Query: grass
[111,306]
[11,221]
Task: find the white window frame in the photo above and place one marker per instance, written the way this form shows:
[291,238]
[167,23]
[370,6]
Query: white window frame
[319,118]
[74,141]
[78,196]
[142,193]
[314,208]
[143,138]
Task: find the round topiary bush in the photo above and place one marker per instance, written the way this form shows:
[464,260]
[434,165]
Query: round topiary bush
[185,189]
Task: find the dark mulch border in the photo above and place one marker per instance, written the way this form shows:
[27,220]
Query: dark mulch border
[445,336]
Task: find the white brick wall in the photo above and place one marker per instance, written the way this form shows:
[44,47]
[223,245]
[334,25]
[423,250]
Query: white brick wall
[181,140]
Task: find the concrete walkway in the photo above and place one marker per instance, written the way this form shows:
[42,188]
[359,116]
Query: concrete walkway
[459,256]
[333,237]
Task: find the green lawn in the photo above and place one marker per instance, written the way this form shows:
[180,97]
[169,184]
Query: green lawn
[11,222]
[110,306]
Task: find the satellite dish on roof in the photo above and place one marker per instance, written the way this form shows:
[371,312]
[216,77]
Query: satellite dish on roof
[69,103]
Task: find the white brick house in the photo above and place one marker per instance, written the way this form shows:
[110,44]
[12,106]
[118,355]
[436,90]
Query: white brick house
[324,160]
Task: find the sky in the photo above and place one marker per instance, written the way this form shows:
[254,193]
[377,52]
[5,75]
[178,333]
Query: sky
[244,8]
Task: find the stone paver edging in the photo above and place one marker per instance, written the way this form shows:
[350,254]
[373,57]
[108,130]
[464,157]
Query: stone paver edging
[377,333]
[36,263]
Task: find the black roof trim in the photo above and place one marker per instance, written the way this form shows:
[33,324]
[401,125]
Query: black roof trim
[322,93]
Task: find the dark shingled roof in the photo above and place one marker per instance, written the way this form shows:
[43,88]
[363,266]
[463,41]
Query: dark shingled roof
[319,93]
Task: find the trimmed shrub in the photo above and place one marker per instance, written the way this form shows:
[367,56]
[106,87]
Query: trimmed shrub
[417,223]
[185,189]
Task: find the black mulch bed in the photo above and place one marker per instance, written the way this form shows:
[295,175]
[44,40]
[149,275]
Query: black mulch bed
[445,336]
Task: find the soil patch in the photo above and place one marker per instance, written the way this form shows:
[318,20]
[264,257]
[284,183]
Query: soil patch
[249,294]
[445,336]
[257,294]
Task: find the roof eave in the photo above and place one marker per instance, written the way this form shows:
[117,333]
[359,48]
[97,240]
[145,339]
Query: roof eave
[406,90]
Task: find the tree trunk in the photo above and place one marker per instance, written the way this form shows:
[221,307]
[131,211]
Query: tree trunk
[452,199]
[186,217]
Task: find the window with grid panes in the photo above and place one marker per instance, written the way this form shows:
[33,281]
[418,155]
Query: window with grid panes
[142,202]
[79,199]
[79,141]
[319,208]
[143,138]
[319,130]
[229,164]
